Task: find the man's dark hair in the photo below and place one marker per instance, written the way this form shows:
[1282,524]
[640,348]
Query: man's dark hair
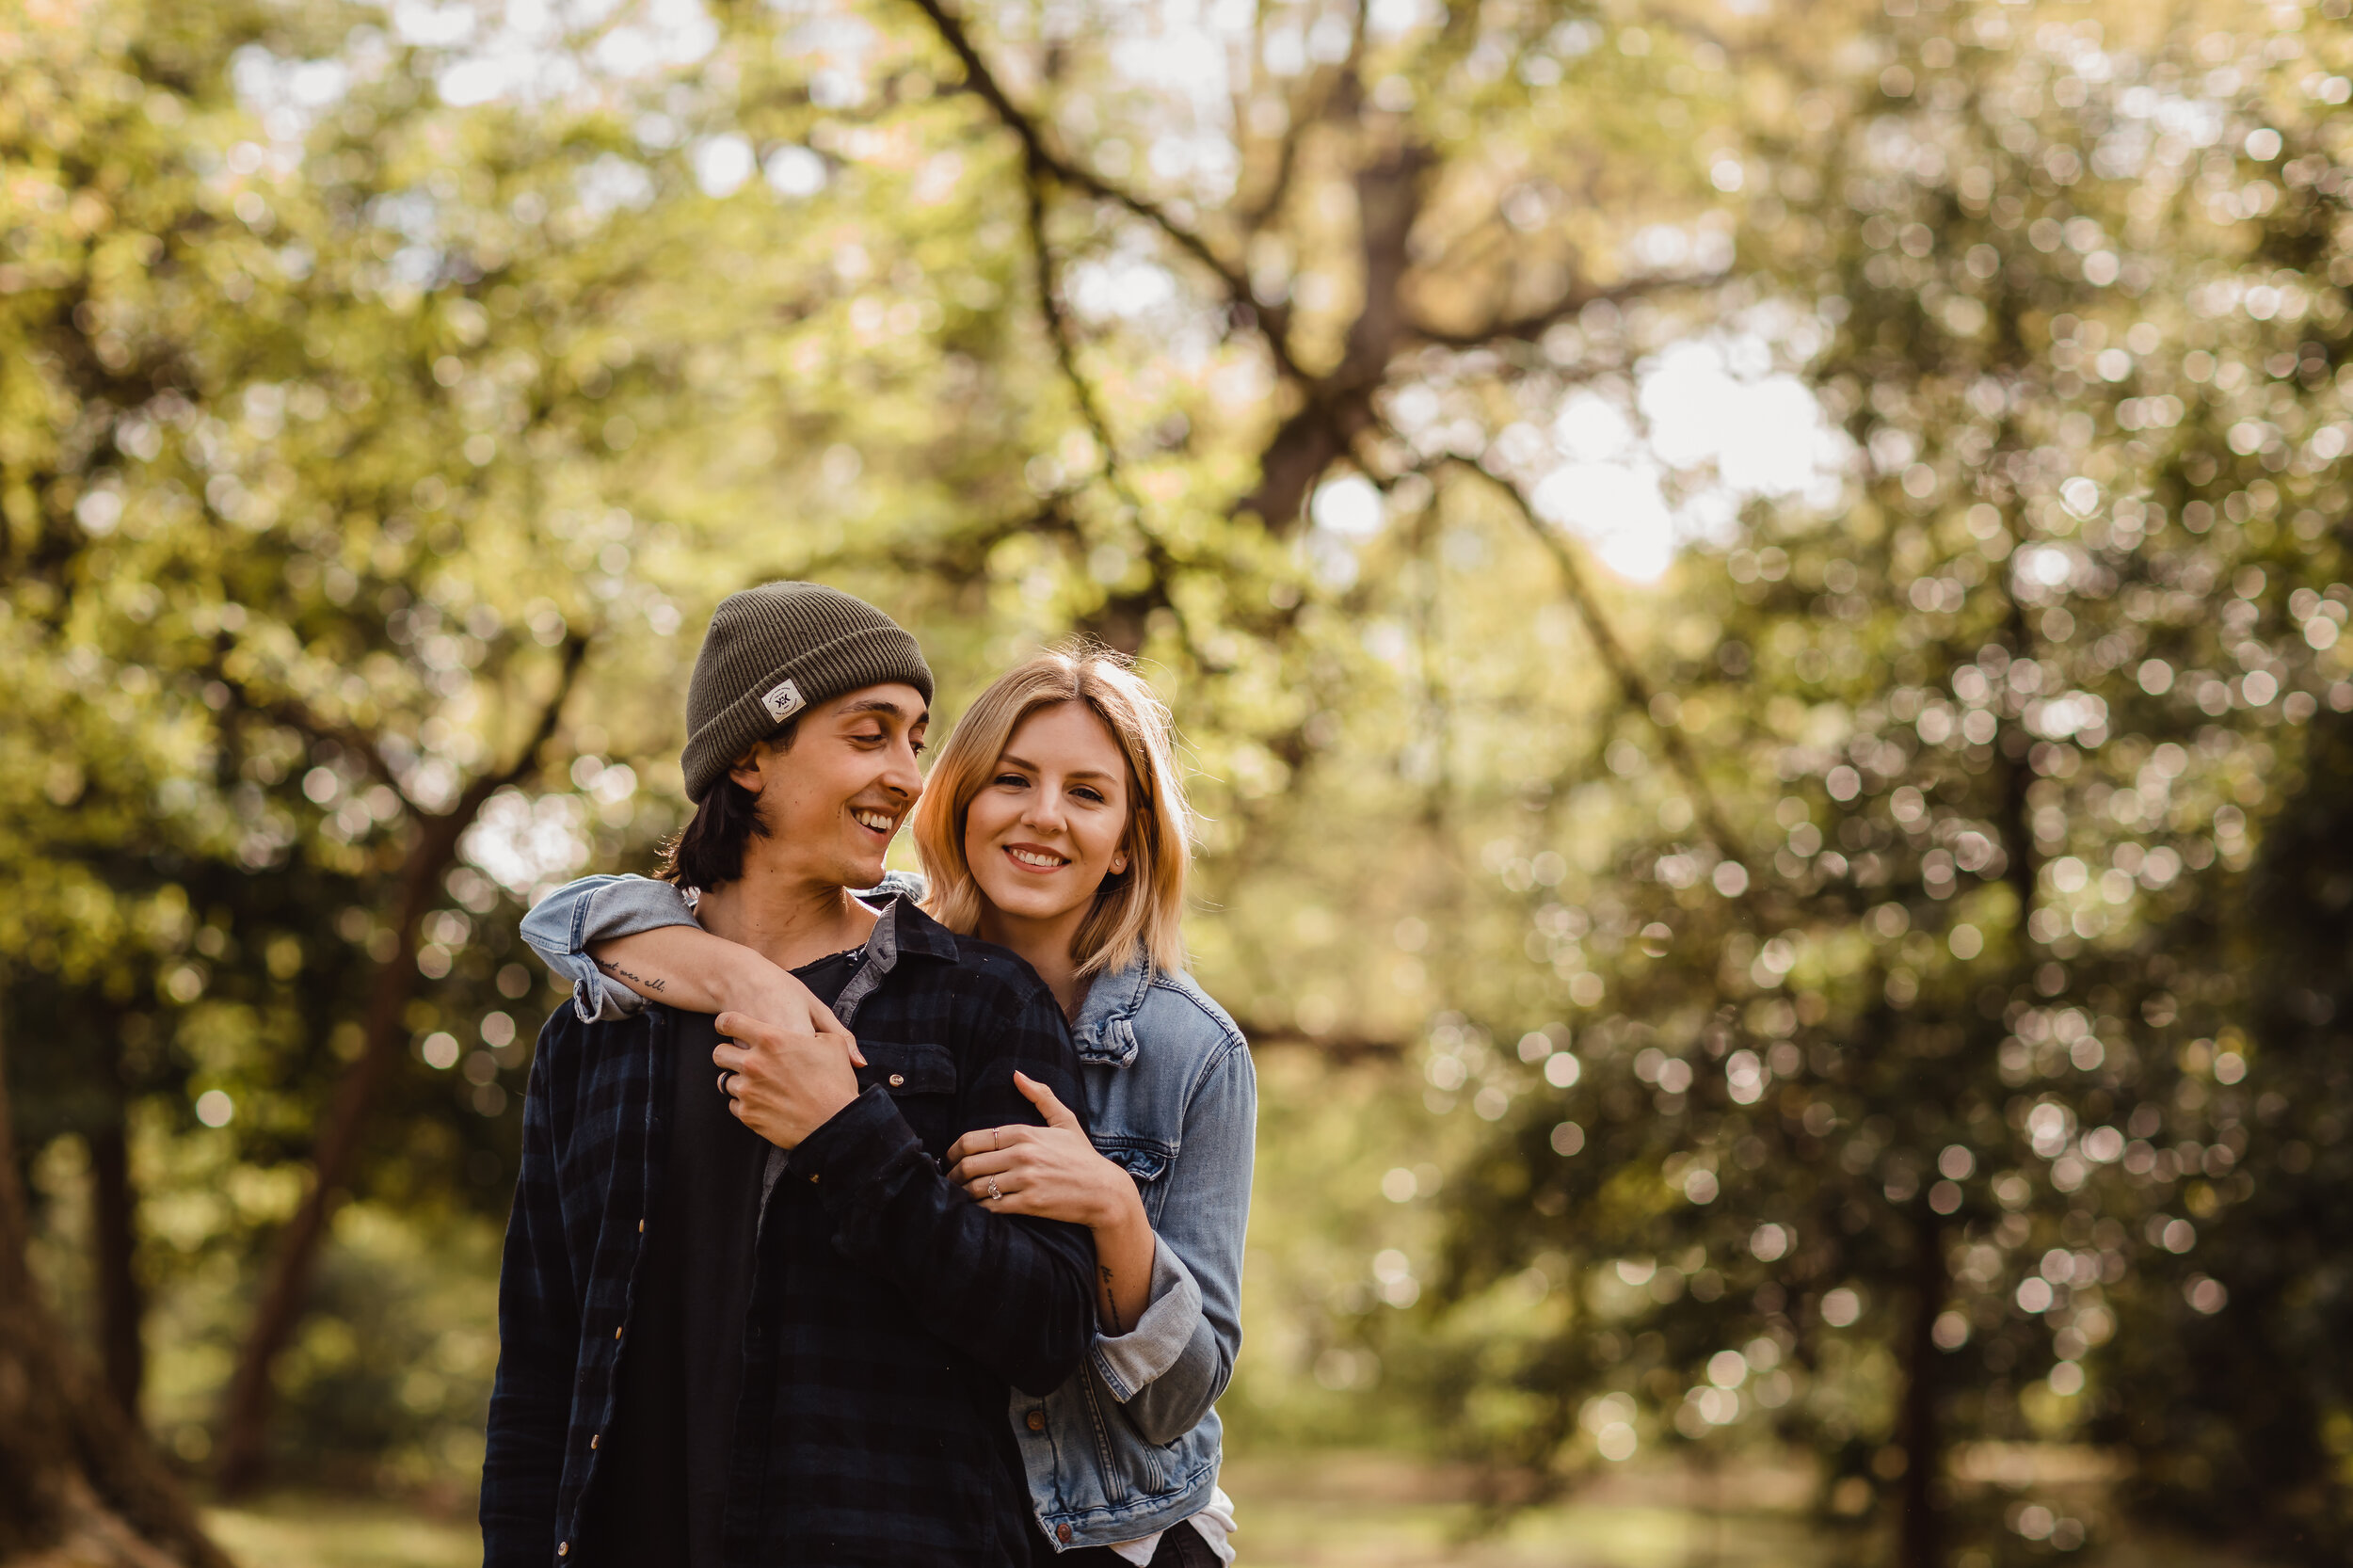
[709,851]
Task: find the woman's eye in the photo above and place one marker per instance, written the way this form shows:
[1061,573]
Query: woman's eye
[1085,794]
[1011,779]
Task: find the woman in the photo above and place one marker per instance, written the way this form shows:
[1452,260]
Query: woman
[1054,824]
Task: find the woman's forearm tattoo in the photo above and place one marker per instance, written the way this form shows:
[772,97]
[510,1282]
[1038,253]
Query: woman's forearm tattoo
[619,974]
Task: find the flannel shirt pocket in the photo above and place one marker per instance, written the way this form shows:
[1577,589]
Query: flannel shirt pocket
[908,1068]
[922,1080]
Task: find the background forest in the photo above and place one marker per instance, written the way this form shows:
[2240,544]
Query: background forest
[1757,593]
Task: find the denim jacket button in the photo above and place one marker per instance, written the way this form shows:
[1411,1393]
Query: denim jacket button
[1061,1533]
[1037,1420]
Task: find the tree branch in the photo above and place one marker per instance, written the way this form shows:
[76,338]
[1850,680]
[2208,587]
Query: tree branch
[1253,215]
[482,788]
[1261,1034]
[1067,348]
[1039,156]
[1632,683]
[1536,322]
[298,717]
[335,1153]
[1341,87]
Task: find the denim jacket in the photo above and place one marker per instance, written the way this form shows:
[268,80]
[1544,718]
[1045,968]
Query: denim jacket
[1130,1443]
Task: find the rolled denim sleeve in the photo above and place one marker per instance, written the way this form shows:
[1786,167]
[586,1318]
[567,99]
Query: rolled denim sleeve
[1169,1371]
[1130,1361]
[560,926]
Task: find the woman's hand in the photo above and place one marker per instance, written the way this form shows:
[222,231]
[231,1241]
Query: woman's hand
[784,1084]
[1052,1171]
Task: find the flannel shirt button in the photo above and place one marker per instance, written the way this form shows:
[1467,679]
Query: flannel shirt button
[616,1334]
[1061,1533]
[562,1548]
[898,1080]
[1037,1420]
[592,1439]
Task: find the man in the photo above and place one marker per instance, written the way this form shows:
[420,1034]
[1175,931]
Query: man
[720,1349]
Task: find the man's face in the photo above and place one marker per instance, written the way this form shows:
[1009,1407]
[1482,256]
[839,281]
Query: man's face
[833,800]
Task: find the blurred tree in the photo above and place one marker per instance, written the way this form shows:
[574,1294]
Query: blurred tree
[82,1483]
[1835,946]
[193,519]
[325,433]
[1865,1136]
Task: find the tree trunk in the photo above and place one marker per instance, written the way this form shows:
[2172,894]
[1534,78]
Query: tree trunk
[286,1288]
[114,1239]
[80,1484]
[1340,406]
[1922,1542]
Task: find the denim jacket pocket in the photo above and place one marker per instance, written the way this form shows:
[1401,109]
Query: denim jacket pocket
[1146,1161]
[1131,1466]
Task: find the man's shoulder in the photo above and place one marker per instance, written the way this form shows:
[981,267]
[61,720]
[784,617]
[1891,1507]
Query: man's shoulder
[570,1042]
[1003,970]
[967,961]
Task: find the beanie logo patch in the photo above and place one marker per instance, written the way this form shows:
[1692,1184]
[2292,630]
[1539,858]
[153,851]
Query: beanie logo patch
[783,701]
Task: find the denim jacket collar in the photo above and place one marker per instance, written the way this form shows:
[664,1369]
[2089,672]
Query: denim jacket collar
[1105,1031]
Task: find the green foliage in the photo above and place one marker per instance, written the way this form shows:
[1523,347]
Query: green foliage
[1861,982]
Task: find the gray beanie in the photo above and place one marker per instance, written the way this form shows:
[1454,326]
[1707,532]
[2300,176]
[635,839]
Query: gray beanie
[777,649]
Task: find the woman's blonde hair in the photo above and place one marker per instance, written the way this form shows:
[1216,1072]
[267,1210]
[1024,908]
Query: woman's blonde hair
[1138,911]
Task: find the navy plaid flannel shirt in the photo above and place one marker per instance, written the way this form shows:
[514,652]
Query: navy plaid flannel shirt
[889,1312]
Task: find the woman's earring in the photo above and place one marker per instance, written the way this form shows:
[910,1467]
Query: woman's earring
[1119,863]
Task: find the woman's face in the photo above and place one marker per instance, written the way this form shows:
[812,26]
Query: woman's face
[1046,829]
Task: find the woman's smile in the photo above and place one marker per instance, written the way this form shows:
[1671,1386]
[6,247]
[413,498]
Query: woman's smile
[1048,826]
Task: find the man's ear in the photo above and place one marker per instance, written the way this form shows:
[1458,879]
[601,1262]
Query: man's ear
[745,770]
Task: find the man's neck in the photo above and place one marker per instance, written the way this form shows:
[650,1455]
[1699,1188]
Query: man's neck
[791,920]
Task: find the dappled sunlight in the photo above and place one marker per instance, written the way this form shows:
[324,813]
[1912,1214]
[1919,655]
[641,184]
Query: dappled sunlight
[1757,603]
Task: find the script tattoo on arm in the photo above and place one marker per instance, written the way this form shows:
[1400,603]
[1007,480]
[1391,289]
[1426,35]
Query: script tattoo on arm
[619,974]
[1111,1303]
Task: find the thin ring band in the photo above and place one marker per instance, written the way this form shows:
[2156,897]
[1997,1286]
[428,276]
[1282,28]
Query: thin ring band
[723,1085]
[995,1192]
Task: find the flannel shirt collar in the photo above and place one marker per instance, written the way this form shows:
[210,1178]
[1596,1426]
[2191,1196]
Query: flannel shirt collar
[903,931]
[914,933]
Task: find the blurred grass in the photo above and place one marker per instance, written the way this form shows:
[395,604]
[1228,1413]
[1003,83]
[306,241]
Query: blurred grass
[1314,1511]
[1375,1511]
[305,1529]
[1366,1511]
